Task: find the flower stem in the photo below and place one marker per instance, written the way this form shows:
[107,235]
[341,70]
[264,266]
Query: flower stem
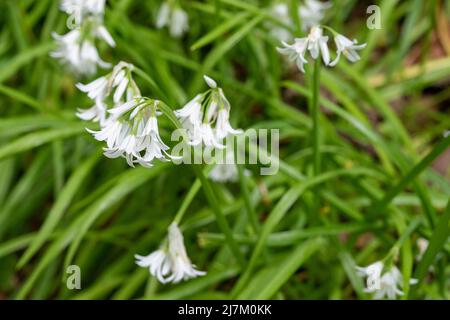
[315,117]
[252,216]
[187,201]
[221,220]
[315,109]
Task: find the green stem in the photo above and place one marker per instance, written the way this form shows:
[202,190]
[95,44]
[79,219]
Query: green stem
[189,197]
[315,109]
[187,201]
[221,220]
[252,217]
[152,84]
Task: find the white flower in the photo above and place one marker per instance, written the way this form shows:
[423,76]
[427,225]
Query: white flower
[158,264]
[348,48]
[223,126]
[385,284]
[102,33]
[182,268]
[373,274]
[163,17]
[312,13]
[96,90]
[206,117]
[171,263]
[225,169]
[133,133]
[96,113]
[174,17]
[446,133]
[130,127]
[315,43]
[210,82]
[79,9]
[80,55]
[73,8]
[155,148]
[119,81]
[224,173]
[96,7]
[191,112]
[280,11]
[422,244]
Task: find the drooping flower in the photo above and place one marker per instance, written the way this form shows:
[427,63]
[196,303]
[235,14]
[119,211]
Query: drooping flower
[280,11]
[225,169]
[119,81]
[128,121]
[224,173]
[422,244]
[311,13]
[133,133]
[347,47]
[173,16]
[77,49]
[383,281]
[158,264]
[80,9]
[373,274]
[170,263]
[78,53]
[315,43]
[206,117]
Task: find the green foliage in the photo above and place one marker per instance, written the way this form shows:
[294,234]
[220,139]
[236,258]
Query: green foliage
[378,181]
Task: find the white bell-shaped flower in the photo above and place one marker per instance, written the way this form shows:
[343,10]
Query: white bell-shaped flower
[78,53]
[383,281]
[312,12]
[119,83]
[133,133]
[171,263]
[206,117]
[77,49]
[316,43]
[173,16]
[348,48]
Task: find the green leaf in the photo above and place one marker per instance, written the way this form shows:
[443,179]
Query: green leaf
[37,139]
[60,206]
[270,280]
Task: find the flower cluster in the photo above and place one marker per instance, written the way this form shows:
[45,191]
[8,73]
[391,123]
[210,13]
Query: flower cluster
[170,263]
[384,281]
[77,49]
[172,15]
[311,13]
[206,118]
[130,126]
[317,45]
[128,121]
